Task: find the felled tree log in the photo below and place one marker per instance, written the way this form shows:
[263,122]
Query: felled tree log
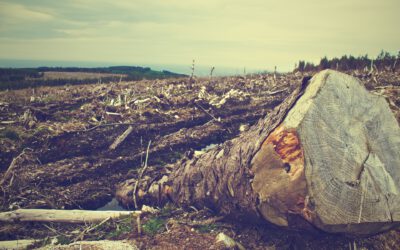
[328,156]
[66,216]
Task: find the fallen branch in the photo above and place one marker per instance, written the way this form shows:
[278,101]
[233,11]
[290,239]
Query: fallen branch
[121,138]
[89,229]
[208,113]
[65,216]
[7,122]
[103,125]
[276,91]
[141,175]
[10,169]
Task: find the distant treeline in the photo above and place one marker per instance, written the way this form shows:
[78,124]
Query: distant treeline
[384,61]
[18,78]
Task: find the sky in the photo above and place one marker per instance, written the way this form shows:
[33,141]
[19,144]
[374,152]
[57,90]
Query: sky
[251,34]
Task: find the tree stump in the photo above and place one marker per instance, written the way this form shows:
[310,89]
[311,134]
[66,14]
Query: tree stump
[328,156]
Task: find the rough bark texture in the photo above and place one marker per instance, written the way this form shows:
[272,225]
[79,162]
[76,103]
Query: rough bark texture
[328,157]
[222,178]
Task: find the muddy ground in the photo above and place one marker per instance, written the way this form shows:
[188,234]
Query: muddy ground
[60,138]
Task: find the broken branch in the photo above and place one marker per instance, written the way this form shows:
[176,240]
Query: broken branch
[121,138]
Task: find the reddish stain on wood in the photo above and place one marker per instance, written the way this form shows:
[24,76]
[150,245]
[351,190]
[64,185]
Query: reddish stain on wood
[286,144]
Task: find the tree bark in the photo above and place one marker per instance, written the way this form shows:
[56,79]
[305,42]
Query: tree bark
[328,156]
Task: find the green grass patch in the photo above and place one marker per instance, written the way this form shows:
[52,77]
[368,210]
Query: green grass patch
[154,226]
[122,227]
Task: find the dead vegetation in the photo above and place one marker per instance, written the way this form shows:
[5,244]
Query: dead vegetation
[69,147]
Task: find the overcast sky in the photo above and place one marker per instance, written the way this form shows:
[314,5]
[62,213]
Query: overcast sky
[252,33]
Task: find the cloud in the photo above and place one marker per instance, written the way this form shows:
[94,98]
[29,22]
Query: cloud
[14,14]
[225,32]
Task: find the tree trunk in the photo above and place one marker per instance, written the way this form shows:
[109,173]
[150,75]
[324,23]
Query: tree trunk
[327,156]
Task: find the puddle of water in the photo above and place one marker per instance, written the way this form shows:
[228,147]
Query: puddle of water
[113,205]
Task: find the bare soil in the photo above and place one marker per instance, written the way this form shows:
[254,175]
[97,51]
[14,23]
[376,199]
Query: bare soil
[60,139]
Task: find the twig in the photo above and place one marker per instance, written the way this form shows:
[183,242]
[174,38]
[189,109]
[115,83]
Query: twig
[102,125]
[195,209]
[140,176]
[141,151]
[276,91]
[7,122]
[208,113]
[211,72]
[53,230]
[139,226]
[10,169]
[121,138]
[89,229]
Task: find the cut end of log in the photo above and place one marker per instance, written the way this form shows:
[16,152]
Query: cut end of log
[334,160]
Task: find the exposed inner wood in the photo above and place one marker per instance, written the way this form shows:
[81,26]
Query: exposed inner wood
[279,176]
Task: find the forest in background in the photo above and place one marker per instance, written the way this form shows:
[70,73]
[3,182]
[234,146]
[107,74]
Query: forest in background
[384,61]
